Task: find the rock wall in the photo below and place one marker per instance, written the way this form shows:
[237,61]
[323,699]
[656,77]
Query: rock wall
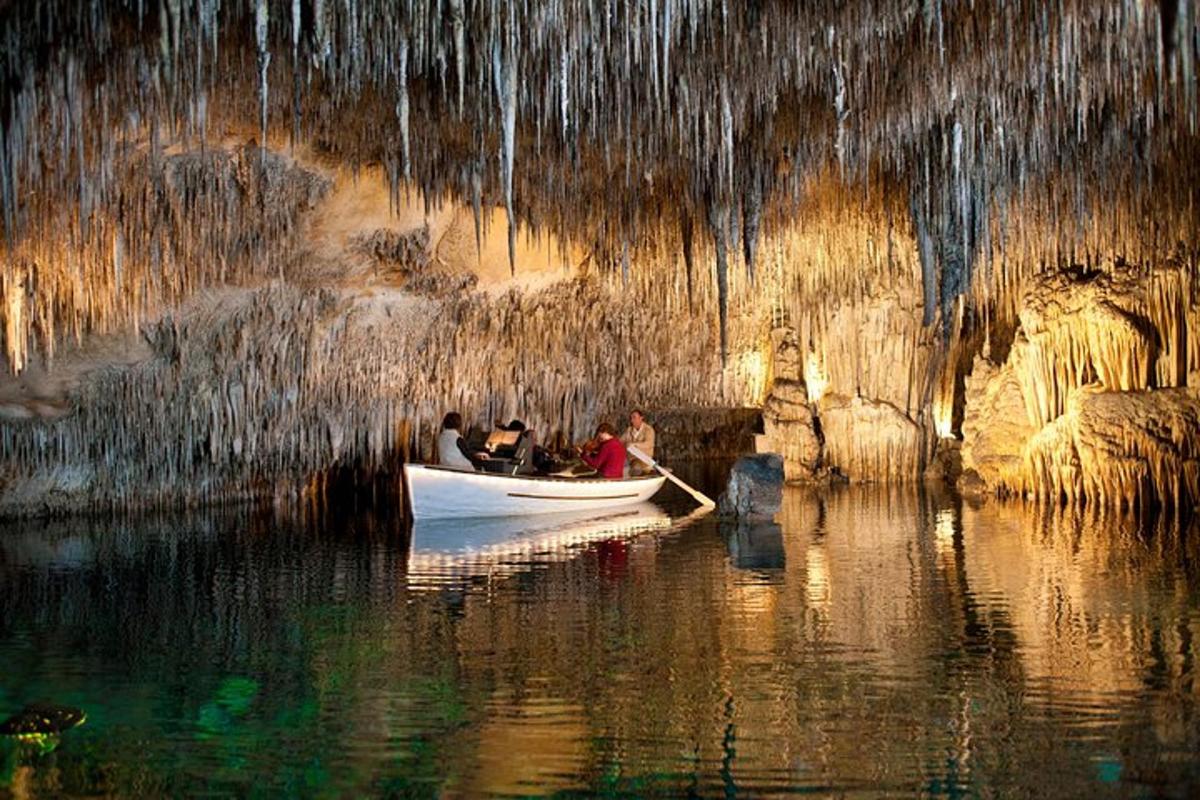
[346,320]
[859,402]
[257,391]
[374,323]
[1093,402]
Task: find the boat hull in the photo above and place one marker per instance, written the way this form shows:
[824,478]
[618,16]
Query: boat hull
[444,493]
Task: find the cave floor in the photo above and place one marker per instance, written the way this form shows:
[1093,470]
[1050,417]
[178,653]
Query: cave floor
[873,641]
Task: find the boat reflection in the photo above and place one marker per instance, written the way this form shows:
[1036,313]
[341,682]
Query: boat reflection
[448,551]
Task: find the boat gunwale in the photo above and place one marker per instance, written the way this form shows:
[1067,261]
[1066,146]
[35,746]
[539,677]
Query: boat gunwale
[543,478]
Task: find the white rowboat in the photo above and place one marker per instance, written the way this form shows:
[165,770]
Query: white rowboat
[445,493]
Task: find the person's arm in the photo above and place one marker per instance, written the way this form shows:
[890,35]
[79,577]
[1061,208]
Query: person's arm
[462,448]
[647,446]
[591,459]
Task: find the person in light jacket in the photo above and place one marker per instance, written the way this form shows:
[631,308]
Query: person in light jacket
[452,449]
[640,435]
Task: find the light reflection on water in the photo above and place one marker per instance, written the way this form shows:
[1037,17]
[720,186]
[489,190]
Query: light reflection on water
[873,640]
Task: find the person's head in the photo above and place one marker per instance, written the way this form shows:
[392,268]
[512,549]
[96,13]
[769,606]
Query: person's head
[636,418]
[605,431]
[452,421]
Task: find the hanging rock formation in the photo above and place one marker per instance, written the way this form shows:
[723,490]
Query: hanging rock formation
[357,214]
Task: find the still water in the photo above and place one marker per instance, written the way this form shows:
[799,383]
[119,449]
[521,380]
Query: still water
[872,643]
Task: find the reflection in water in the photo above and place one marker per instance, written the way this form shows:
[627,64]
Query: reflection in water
[441,551]
[755,545]
[874,640]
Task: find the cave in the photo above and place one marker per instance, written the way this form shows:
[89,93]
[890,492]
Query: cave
[933,262]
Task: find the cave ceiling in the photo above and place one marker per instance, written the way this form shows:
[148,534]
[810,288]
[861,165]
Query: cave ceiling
[614,123]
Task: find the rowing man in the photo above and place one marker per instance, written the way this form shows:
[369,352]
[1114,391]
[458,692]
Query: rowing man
[640,435]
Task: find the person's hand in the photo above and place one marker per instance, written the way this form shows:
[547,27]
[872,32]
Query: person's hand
[483,456]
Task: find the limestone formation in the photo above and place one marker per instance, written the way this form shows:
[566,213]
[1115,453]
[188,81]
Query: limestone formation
[788,421]
[1122,327]
[995,428]
[356,214]
[1091,404]
[1130,449]
[348,362]
[869,440]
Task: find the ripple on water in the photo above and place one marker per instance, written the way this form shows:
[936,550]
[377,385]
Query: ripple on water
[871,641]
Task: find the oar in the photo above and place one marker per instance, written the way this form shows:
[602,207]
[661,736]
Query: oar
[700,497]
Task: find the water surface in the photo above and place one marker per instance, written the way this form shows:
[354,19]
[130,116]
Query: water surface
[874,642]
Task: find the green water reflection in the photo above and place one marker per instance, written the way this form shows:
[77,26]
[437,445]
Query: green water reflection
[872,642]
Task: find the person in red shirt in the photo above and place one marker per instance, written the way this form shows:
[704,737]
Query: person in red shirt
[609,458]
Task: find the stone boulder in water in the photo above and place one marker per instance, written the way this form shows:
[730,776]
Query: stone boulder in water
[38,720]
[755,488]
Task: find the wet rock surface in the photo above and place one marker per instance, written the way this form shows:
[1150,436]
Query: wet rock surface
[755,489]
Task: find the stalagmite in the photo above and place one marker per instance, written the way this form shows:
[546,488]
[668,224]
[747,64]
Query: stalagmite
[788,419]
[996,428]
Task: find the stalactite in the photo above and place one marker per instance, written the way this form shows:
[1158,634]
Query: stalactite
[585,99]
[505,81]
[261,35]
[752,205]
[402,110]
[718,220]
[1122,329]
[460,51]
[686,231]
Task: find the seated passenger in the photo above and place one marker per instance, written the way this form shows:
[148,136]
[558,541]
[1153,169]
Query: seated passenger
[452,450]
[608,457]
[640,435]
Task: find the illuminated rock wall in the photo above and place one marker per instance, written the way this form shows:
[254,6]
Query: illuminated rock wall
[1093,402]
[545,212]
[375,325]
